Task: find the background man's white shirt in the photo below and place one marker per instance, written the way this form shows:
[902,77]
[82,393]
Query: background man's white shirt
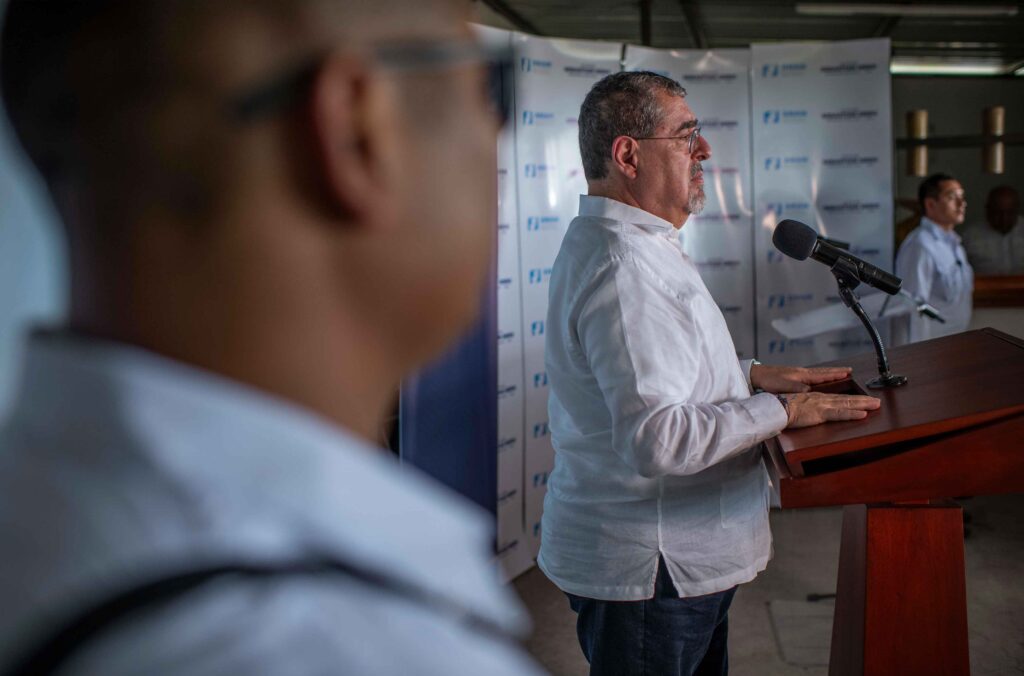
[993,253]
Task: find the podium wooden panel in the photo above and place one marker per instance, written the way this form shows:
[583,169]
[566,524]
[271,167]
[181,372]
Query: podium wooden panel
[956,429]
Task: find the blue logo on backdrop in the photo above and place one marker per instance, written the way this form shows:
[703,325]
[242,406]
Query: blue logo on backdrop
[540,379]
[781,300]
[528,65]
[541,430]
[716,123]
[717,264]
[539,275]
[780,208]
[780,346]
[507,444]
[532,117]
[505,337]
[775,256]
[540,479]
[505,282]
[778,163]
[783,69]
[504,227]
[537,223]
[537,328]
[536,529]
[730,309]
[781,116]
[537,170]
[849,115]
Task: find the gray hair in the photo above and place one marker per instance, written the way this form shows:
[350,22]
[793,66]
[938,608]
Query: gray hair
[620,104]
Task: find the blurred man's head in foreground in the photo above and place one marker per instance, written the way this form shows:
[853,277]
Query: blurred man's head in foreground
[296,193]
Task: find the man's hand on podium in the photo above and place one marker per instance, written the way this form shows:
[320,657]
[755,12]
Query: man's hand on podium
[806,408]
[786,379]
[813,408]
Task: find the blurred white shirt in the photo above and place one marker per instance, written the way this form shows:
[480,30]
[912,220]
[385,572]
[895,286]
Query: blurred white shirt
[993,253]
[119,466]
[934,266]
[653,423]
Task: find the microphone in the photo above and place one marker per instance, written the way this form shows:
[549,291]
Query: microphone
[799,241]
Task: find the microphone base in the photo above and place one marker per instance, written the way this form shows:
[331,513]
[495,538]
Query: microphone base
[887,380]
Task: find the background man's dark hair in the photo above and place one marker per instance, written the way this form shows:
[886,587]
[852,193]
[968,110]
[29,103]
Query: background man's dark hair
[931,187]
[621,104]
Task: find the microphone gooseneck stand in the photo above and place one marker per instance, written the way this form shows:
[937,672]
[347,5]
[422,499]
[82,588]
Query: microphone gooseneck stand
[847,279]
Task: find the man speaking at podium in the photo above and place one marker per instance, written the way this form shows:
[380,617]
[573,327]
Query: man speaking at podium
[657,507]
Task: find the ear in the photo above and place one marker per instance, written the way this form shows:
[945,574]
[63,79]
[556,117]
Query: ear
[624,155]
[346,136]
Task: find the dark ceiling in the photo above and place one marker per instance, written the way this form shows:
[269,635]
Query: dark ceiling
[922,30]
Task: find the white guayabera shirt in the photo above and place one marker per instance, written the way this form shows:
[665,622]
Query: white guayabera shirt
[652,419]
[119,466]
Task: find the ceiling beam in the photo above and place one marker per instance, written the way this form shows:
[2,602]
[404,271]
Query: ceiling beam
[693,22]
[645,22]
[515,18]
[886,26]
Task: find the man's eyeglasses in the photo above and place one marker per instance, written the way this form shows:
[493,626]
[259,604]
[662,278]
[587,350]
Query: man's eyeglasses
[691,139]
[279,93]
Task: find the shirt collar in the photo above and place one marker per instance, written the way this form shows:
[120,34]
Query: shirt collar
[939,232]
[288,481]
[605,207]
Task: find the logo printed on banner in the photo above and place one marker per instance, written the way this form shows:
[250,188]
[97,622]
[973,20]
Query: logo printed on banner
[504,283]
[779,163]
[780,346]
[780,208]
[709,78]
[540,379]
[539,275]
[537,328]
[718,264]
[504,227]
[714,216]
[541,430]
[783,69]
[849,115]
[532,117]
[538,223]
[533,170]
[506,337]
[540,479]
[507,495]
[505,391]
[507,444]
[851,206]
[849,68]
[715,123]
[730,309]
[528,65]
[846,161]
[775,256]
[778,116]
[781,300]
[536,529]
[587,70]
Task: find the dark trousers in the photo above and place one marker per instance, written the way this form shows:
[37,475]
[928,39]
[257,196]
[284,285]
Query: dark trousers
[662,636]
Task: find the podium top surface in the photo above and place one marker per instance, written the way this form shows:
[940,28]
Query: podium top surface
[954,382]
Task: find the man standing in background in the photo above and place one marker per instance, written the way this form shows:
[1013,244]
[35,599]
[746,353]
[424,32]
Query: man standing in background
[933,263]
[261,246]
[657,506]
[995,246]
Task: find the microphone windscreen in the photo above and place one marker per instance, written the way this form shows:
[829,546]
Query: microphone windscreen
[794,239]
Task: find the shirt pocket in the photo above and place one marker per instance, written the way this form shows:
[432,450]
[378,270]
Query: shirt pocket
[744,497]
[949,281]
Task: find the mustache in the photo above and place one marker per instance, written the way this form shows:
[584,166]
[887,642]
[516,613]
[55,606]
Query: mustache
[696,170]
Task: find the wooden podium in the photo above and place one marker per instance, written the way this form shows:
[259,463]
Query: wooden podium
[956,429]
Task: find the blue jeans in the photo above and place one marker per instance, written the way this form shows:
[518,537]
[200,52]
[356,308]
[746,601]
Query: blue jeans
[662,636]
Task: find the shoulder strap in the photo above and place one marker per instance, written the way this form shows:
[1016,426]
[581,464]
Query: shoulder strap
[52,651]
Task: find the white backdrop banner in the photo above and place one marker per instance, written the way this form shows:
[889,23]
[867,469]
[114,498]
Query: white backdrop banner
[552,79]
[822,155]
[719,240]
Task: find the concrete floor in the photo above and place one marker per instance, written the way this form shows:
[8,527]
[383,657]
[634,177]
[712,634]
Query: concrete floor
[795,639]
